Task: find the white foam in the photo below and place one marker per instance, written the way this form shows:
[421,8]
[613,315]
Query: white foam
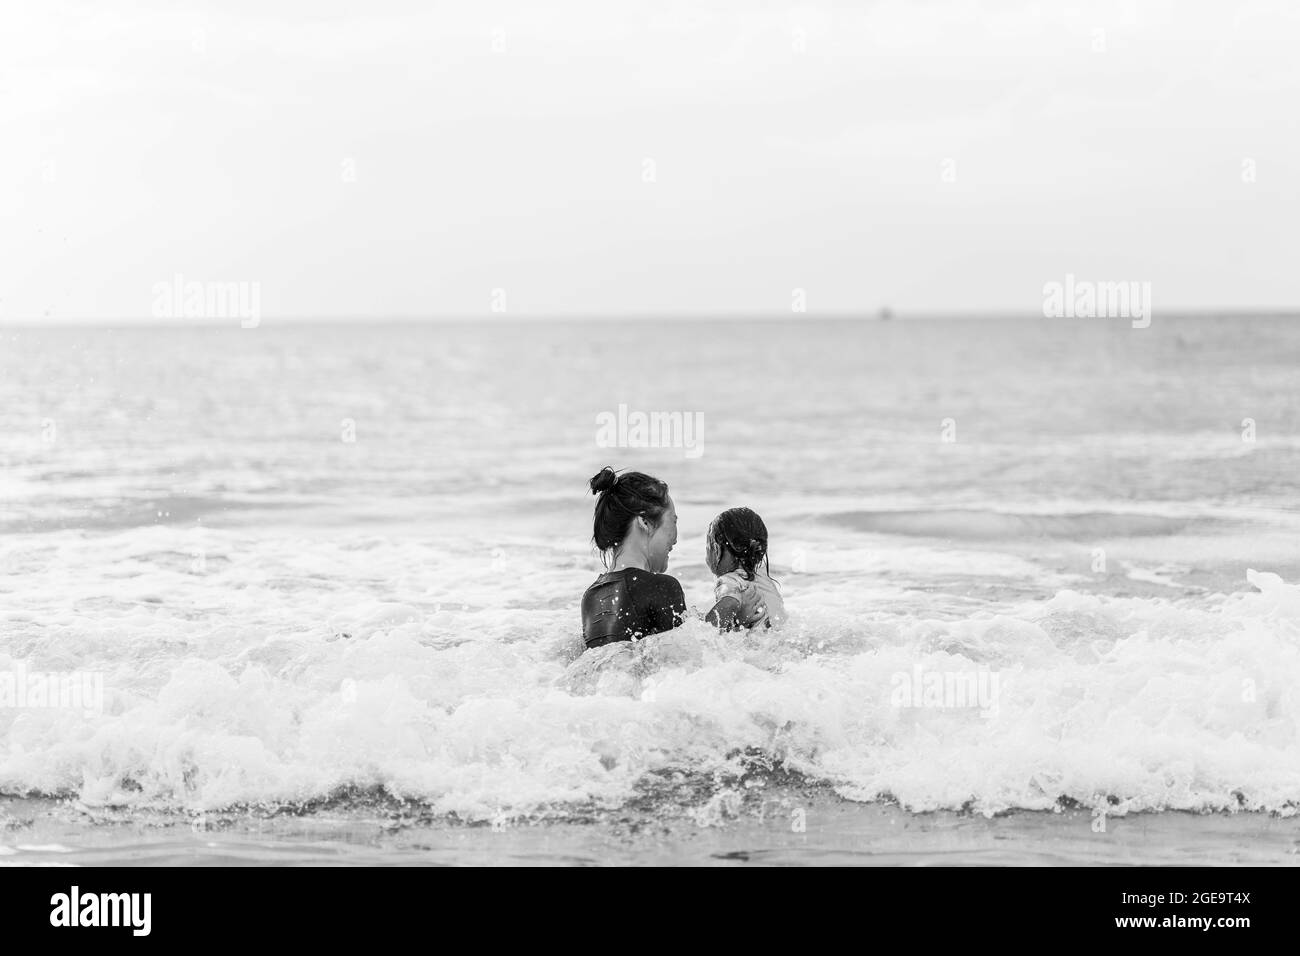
[238,686]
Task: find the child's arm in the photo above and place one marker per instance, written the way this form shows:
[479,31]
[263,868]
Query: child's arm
[725,614]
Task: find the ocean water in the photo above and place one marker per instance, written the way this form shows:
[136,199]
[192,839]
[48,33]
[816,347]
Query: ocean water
[323,565]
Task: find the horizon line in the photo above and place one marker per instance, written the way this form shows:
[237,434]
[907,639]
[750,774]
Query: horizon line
[847,315]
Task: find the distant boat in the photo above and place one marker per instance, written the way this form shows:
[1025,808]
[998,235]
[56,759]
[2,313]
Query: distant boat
[885,314]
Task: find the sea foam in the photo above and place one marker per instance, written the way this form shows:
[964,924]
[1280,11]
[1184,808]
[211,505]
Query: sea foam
[1119,704]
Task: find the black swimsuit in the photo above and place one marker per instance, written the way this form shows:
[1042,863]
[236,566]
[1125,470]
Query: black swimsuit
[629,604]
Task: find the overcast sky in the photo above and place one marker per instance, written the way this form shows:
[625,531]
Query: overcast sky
[406,159]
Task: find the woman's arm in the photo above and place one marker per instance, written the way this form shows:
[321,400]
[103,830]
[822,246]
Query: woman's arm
[733,594]
[725,614]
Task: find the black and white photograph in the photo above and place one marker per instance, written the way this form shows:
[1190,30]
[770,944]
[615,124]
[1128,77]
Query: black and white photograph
[650,434]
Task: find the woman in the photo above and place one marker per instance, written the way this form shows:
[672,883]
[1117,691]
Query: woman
[635,527]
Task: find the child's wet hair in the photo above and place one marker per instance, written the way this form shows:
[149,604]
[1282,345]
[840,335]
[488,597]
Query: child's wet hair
[620,498]
[742,532]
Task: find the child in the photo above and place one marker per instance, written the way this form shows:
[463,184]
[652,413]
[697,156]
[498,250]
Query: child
[746,595]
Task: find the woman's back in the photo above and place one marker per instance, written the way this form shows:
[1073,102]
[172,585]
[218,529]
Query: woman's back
[630,604]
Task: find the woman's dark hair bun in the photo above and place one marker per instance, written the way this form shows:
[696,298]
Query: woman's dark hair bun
[603,480]
[621,499]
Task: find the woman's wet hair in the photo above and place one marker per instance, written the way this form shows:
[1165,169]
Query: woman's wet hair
[743,533]
[621,498]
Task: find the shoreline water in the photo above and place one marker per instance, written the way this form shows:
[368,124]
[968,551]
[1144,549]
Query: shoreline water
[822,830]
